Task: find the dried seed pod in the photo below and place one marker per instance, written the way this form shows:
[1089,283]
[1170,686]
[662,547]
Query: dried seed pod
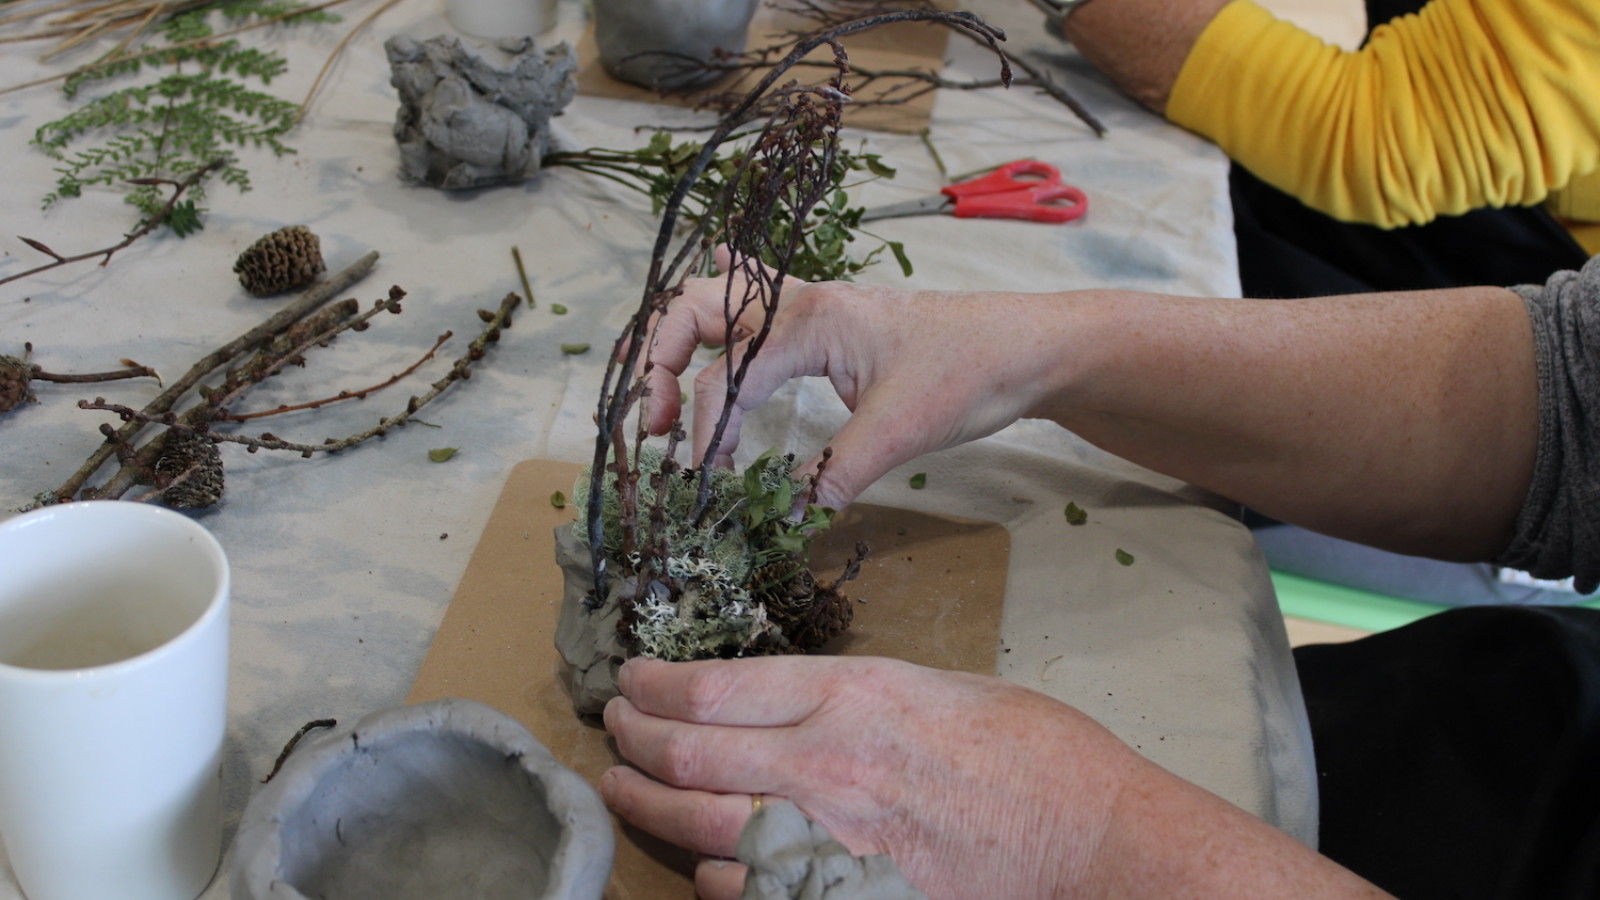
[288,258]
[201,487]
[15,376]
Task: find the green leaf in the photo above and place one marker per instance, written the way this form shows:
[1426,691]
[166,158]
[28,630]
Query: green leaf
[876,166]
[1124,557]
[558,309]
[558,500]
[441,454]
[574,349]
[919,480]
[1076,514]
[899,251]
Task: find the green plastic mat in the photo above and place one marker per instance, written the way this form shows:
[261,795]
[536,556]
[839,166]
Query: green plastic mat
[1320,601]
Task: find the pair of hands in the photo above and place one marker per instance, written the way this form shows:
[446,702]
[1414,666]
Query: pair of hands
[974,785]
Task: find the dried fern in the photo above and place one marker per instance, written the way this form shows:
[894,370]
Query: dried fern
[201,107]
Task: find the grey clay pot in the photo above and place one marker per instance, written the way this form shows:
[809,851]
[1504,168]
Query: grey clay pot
[442,800]
[663,44]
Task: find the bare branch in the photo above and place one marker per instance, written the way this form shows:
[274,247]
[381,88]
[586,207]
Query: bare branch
[149,225]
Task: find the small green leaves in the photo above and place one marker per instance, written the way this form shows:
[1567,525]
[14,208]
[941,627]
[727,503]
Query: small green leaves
[441,454]
[558,309]
[1076,515]
[899,251]
[919,481]
[1124,557]
[574,349]
[558,500]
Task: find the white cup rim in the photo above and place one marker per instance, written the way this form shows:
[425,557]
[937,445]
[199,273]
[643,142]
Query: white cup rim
[216,606]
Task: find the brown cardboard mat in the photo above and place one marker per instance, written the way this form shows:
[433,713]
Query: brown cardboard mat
[932,590]
[899,47]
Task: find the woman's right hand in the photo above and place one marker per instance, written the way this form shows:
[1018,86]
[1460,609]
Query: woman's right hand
[920,370]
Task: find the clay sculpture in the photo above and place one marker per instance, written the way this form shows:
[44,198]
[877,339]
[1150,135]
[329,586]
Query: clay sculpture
[467,122]
[440,800]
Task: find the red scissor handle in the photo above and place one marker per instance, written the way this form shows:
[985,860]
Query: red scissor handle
[1036,204]
[1013,176]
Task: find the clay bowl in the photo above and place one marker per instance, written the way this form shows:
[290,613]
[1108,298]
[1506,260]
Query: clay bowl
[448,799]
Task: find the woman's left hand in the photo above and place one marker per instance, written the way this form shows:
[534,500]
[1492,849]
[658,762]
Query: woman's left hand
[976,787]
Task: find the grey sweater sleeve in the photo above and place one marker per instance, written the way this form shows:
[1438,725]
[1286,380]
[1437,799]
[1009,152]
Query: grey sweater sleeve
[1558,530]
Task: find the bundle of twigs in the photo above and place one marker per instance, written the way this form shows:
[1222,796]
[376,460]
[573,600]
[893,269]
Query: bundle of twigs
[282,340]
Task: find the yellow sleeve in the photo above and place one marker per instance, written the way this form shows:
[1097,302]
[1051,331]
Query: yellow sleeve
[1462,105]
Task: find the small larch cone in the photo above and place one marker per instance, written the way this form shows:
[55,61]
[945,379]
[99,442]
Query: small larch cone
[15,376]
[809,615]
[201,487]
[288,258]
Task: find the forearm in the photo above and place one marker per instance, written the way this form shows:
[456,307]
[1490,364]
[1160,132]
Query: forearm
[1405,421]
[1140,44]
[1170,838]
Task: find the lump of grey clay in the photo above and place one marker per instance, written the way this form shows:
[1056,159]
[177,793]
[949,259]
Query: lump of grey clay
[465,122]
[793,858]
[437,801]
[586,636]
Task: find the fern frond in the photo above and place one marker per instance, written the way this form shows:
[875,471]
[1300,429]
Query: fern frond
[179,122]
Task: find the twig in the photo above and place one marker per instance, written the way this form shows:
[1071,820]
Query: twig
[314,297]
[294,741]
[461,370]
[342,395]
[135,371]
[938,161]
[522,273]
[150,224]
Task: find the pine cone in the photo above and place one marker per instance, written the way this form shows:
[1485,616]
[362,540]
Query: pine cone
[827,616]
[808,615]
[202,487]
[14,378]
[288,258]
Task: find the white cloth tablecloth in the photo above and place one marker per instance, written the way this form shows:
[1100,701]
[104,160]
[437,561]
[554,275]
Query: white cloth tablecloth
[343,565]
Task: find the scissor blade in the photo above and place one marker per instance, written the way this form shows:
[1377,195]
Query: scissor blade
[937,203]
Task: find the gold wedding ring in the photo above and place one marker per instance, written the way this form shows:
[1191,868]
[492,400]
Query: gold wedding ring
[756,801]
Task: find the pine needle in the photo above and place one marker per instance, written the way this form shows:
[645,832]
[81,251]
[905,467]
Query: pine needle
[337,51]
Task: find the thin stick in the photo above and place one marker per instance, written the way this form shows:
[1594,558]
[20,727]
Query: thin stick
[294,741]
[343,395]
[938,161]
[522,273]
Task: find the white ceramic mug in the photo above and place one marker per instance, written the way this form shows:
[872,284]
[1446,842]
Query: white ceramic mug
[498,19]
[113,701]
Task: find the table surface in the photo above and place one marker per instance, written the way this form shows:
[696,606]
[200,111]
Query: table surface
[343,565]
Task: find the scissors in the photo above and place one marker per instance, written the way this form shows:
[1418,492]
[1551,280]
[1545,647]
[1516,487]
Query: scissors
[1024,189]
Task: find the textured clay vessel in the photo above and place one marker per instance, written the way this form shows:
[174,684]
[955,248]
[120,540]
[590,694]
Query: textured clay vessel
[442,800]
[665,45]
